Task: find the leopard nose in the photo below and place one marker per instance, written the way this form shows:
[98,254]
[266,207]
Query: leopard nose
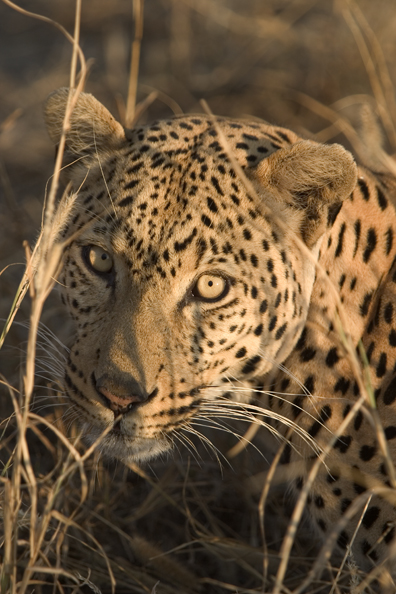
[120,396]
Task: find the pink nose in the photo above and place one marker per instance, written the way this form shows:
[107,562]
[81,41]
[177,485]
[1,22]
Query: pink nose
[119,404]
[119,394]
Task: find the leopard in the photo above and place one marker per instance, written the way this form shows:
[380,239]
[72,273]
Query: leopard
[213,265]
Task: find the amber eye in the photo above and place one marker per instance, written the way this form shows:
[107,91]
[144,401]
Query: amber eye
[99,259]
[210,287]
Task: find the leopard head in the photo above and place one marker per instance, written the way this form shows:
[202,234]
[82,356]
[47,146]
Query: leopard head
[189,263]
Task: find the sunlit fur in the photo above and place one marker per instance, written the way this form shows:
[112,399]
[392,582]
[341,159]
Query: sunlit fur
[302,240]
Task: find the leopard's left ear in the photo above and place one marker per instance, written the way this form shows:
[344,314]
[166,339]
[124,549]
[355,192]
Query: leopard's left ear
[93,134]
[312,180]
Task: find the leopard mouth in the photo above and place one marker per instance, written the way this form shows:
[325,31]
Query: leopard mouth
[128,434]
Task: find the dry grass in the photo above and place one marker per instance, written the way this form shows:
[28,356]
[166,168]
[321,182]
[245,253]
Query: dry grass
[71,522]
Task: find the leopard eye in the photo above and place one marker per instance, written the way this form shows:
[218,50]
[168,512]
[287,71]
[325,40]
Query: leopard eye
[210,287]
[99,259]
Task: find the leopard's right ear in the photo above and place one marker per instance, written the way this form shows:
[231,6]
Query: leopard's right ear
[310,180]
[92,133]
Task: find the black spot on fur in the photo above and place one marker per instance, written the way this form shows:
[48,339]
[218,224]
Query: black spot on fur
[251,364]
[358,421]
[370,244]
[216,185]
[382,201]
[381,367]
[332,357]
[181,246]
[364,306]
[388,312]
[367,452]
[338,251]
[254,260]
[389,240]
[241,353]
[357,229]
[206,221]
[272,323]
[370,517]
[343,540]
[342,385]
[318,501]
[302,340]
[249,136]
[392,338]
[280,332]
[307,354]
[212,204]
[364,189]
[390,392]
[343,443]
[309,384]
[332,213]
[286,455]
[390,432]
[126,201]
[263,306]
[345,503]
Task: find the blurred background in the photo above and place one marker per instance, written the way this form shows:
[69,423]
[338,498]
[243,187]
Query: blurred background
[305,64]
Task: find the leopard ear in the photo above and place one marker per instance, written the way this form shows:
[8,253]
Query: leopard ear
[312,180]
[92,130]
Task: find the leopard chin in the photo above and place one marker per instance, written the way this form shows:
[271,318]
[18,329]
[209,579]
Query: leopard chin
[118,446]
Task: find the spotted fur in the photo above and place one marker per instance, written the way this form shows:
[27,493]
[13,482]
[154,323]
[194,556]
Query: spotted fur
[167,204]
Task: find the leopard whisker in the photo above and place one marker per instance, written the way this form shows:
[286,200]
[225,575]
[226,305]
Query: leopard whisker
[189,445]
[205,441]
[38,409]
[211,423]
[244,413]
[265,411]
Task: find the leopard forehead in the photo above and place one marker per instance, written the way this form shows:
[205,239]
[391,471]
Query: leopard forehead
[169,206]
[172,189]
[165,165]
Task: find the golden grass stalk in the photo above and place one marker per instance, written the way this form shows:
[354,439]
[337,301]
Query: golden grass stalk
[41,270]
[138,9]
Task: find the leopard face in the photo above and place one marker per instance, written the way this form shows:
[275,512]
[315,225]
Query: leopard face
[183,278]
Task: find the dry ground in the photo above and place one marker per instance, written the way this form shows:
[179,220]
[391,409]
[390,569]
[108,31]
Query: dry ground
[181,525]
